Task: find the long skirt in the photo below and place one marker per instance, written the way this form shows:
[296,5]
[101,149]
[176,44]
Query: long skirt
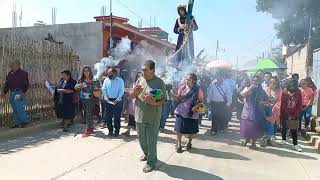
[186,125]
[251,128]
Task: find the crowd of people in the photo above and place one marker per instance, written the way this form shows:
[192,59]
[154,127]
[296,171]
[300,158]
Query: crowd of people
[264,104]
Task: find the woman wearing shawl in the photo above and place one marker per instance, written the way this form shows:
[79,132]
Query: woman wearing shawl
[64,107]
[253,114]
[188,98]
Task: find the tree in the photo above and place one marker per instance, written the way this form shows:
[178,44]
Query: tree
[294,19]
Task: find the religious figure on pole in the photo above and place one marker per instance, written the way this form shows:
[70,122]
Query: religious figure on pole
[184,27]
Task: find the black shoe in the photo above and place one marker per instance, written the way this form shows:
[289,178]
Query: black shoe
[263,143]
[15,126]
[110,133]
[61,124]
[126,134]
[214,132]
[179,149]
[189,146]
[23,125]
[269,143]
[65,129]
[116,134]
[71,123]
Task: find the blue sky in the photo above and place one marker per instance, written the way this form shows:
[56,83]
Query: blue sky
[241,30]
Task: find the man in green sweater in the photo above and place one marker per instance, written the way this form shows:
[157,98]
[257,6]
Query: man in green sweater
[148,112]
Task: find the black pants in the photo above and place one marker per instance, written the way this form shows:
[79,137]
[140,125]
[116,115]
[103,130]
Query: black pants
[219,116]
[113,112]
[132,122]
[294,134]
[228,115]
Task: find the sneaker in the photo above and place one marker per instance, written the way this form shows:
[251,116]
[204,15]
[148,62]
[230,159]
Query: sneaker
[86,133]
[283,142]
[297,148]
[91,130]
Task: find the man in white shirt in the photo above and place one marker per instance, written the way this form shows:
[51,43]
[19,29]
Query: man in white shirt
[219,98]
[113,90]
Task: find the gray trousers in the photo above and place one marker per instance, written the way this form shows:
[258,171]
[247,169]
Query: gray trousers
[88,105]
[148,137]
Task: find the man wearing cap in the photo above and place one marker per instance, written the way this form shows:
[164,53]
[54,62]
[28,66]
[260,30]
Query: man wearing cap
[17,84]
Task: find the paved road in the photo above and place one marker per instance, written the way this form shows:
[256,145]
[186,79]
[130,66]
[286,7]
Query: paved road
[59,156]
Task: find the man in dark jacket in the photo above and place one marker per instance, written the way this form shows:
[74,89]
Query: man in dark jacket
[17,83]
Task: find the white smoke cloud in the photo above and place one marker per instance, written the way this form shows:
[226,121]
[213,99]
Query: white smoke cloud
[144,51]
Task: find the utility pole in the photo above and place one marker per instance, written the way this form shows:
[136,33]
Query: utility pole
[271,46]
[217,49]
[309,49]
[237,68]
[310,28]
[111,40]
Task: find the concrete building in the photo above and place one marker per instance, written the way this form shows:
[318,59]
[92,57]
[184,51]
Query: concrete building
[90,40]
[299,61]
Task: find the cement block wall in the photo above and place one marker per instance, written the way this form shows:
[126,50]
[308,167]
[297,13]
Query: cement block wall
[86,39]
[297,62]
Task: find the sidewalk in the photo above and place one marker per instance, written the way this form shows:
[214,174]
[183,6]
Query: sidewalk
[32,128]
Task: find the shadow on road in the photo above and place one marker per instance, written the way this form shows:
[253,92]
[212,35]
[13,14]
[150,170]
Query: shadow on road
[185,173]
[284,153]
[36,140]
[218,154]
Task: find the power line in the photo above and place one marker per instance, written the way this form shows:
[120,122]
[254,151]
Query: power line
[133,12]
[262,42]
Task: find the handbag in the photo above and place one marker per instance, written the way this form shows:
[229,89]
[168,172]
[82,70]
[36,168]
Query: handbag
[292,124]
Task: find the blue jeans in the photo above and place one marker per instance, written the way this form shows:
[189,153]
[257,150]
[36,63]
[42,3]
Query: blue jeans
[165,113]
[306,115]
[269,129]
[18,107]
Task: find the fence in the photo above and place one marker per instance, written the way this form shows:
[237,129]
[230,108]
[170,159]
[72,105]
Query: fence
[43,61]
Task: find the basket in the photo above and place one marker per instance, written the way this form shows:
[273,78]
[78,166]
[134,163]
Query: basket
[97,93]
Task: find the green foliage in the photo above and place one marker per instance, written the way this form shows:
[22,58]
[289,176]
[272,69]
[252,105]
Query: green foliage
[294,19]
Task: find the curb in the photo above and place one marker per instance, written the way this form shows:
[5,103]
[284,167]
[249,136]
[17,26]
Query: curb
[313,138]
[22,132]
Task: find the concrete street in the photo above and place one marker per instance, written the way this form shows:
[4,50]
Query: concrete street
[59,156]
